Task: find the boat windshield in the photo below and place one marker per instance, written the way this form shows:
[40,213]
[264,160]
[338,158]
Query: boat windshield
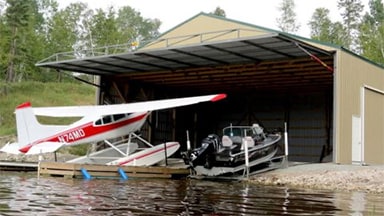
[241,131]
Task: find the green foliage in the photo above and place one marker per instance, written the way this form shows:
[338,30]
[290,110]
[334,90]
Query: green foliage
[323,29]
[17,16]
[363,35]
[40,94]
[351,12]
[287,21]
[77,150]
[219,12]
[32,30]
[371,37]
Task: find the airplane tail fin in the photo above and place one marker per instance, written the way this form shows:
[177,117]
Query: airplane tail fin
[28,129]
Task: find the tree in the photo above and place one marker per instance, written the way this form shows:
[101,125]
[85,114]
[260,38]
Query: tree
[134,28]
[371,37]
[219,12]
[65,34]
[287,21]
[32,30]
[322,28]
[320,24]
[351,12]
[17,14]
[126,26]
[104,28]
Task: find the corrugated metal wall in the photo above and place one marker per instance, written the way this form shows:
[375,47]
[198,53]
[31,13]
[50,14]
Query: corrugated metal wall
[309,129]
[351,75]
[308,116]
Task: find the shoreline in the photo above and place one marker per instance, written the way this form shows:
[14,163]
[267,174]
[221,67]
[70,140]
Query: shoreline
[326,176]
[323,176]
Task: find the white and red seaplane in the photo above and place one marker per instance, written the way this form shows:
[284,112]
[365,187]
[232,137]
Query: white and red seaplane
[97,123]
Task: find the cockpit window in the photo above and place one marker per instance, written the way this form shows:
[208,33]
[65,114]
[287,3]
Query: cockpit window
[118,116]
[107,119]
[110,118]
[98,122]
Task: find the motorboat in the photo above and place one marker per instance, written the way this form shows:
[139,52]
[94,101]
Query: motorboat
[237,150]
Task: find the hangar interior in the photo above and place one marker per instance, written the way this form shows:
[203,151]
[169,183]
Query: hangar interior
[270,79]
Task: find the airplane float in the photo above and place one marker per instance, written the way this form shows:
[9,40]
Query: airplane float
[97,123]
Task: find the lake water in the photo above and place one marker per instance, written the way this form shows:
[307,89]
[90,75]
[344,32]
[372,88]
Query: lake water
[24,194]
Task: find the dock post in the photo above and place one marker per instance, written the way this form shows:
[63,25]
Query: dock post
[165,153]
[245,144]
[285,145]
[85,173]
[123,175]
[188,142]
[38,165]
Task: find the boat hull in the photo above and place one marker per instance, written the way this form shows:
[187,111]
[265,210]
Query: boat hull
[234,152]
[233,170]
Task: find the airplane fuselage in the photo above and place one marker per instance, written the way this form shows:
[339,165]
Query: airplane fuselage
[106,127]
[98,123]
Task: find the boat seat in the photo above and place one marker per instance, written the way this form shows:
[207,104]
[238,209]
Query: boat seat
[250,142]
[236,139]
[226,141]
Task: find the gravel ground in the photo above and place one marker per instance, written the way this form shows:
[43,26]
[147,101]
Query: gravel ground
[328,176]
[61,157]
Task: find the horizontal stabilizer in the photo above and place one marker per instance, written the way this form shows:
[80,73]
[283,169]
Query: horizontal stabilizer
[11,148]
[45,147]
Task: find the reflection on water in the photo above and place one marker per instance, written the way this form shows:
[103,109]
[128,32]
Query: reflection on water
[26,195]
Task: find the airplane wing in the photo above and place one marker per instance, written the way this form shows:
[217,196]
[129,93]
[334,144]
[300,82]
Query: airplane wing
[79,111]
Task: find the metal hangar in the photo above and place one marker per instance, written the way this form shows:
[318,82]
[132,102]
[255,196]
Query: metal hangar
[329,98]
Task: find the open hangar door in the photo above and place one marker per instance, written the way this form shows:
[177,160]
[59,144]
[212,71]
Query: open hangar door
[271,80]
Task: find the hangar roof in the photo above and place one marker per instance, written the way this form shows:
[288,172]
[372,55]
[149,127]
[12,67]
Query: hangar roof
[268,61]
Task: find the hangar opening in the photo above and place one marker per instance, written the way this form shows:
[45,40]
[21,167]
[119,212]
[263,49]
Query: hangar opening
[270,79]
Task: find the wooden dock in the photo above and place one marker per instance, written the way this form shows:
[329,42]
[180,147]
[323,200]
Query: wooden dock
[73,170]
[18,166]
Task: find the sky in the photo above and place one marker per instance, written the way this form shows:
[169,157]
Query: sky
[257,12]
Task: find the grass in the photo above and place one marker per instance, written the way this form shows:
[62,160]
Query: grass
[40,94]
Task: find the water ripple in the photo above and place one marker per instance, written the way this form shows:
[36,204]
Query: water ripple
[22,194]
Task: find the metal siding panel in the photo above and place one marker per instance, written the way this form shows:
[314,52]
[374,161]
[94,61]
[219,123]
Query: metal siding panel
[374,124]
[352,73]
[307,132]
[307,127]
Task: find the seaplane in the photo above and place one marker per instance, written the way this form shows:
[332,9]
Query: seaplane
[97,123]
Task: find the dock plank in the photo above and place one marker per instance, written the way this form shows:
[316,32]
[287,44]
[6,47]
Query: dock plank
[110,171]
[18,166]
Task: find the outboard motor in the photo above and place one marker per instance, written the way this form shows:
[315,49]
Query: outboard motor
[204,155]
